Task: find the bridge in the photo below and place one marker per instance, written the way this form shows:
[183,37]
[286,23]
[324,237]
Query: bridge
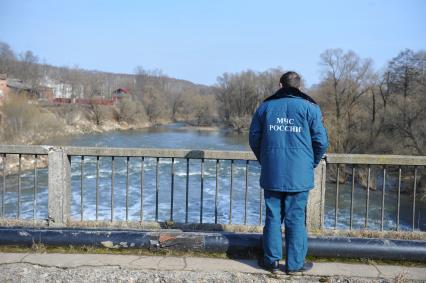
[172,196]
[362,206]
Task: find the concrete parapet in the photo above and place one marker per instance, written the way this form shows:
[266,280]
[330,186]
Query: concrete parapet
[315,207]
[59,196]
[60,176]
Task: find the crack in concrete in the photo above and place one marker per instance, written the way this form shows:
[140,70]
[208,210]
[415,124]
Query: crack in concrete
[136,259]
[177,268]
[380,275]
[158,263]
[185,263]
[23,261]
[282,276]
[23,258]
[63,267]
[186,266]
[133,267]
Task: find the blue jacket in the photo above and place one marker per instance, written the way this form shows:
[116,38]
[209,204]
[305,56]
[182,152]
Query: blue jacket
[289,139]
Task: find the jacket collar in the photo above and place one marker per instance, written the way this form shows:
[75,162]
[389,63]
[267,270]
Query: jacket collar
[290,92]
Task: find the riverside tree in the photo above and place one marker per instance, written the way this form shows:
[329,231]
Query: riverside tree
[239,94]
[406,88]
[346,78]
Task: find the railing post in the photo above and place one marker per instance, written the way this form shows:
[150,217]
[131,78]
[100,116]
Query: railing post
[315,208]
[59,187]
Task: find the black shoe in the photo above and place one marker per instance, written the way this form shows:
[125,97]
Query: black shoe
[306,267]
[269,267]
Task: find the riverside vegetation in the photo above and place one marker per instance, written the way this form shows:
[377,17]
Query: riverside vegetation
[365,110]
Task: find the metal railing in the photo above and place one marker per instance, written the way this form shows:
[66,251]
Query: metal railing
[187,161]
[382,175]
[26,164]
[199,186]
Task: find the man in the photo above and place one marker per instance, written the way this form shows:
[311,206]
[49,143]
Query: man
[288,138]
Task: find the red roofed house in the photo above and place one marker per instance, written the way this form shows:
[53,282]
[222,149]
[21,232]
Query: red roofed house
[120,93]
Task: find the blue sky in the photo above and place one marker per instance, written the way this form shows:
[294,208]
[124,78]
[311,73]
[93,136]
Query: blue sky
[198,40]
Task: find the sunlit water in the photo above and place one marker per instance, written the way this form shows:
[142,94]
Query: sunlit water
[176,136]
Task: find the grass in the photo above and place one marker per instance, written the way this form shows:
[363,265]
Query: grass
[401,235]
[205,227]
[41,248]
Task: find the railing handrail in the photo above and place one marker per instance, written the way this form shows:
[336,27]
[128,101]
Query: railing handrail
[375,159]
[161,153]
[130,152]
[24,149]
[59,177]
[331,158]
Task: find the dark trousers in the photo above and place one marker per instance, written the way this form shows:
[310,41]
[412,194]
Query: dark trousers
[290,208]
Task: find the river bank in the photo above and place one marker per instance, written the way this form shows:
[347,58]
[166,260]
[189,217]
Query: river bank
[87,127]
[81,128]
[181,136]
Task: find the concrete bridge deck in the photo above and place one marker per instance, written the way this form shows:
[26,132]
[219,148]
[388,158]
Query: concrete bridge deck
[51,267]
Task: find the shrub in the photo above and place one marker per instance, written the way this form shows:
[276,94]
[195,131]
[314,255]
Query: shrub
[22,121]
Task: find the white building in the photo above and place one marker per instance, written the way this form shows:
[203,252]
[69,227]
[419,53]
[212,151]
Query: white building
[63,90]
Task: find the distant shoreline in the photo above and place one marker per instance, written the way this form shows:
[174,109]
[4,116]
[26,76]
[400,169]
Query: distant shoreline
[84,128]
[89,128]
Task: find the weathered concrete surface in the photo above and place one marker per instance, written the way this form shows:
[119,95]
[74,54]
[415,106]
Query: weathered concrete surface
[159,152]
[372,159]
[59,197]
[391,271]
[315,207]
[131,268]
[11,257]
[375,159]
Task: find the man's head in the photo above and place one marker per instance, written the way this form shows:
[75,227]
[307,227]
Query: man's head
[290,79]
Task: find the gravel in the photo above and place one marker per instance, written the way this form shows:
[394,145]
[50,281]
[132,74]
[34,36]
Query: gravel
[24,272]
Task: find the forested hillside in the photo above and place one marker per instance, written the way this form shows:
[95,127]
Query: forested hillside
[366,109]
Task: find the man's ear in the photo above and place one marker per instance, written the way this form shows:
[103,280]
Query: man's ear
[281,85]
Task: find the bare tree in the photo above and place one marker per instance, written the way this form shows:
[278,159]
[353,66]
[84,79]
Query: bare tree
[347,78]
[7,59]
[99,113]
[176,105]
[30,69]
[407,90]
[239,94]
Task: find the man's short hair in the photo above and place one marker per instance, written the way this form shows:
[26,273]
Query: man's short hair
[290,79]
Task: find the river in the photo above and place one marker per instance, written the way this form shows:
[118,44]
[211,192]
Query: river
[179,136]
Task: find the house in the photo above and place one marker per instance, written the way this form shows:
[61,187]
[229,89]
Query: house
[45,93]
[17,86]
[64,90]
[60,89]
[120,93]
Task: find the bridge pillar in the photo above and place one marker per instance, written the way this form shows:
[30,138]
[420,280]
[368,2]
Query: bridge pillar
[59,187]
[315,208]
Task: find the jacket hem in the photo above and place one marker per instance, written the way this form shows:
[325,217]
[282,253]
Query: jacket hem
[289,190]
